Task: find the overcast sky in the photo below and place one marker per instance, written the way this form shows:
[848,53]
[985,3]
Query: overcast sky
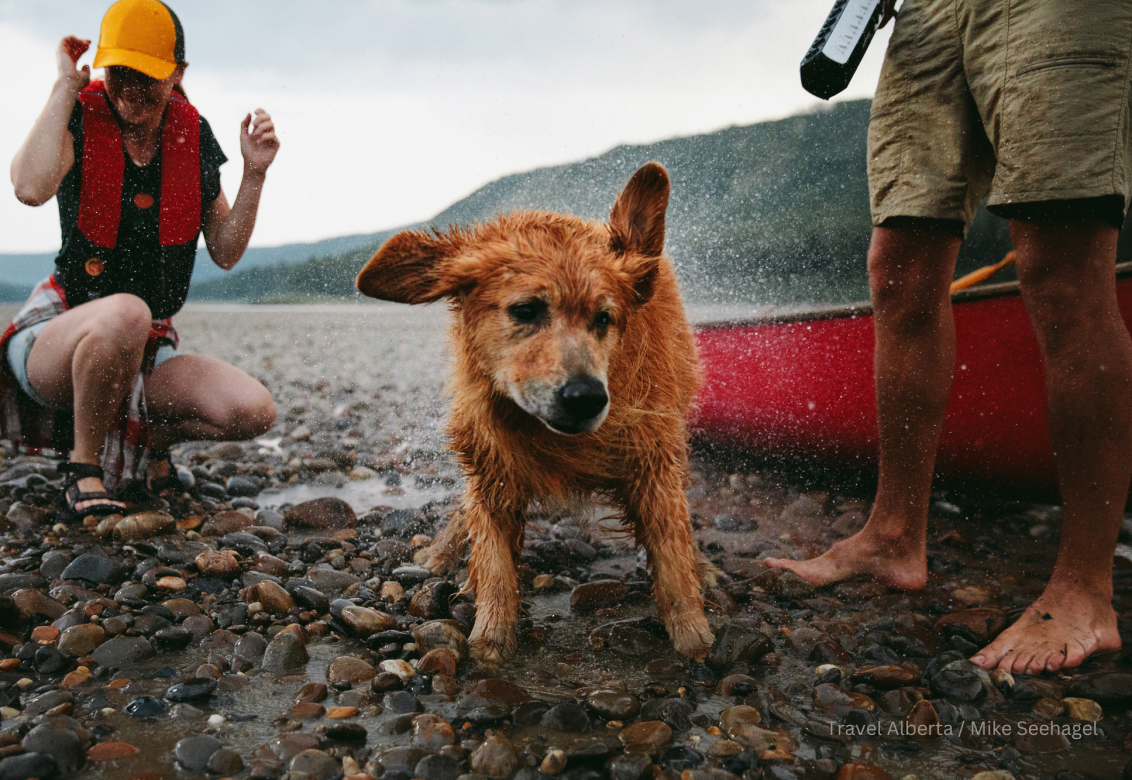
[391,110]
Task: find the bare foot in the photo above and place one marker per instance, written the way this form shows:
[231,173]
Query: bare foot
[1061,629]
[894,563]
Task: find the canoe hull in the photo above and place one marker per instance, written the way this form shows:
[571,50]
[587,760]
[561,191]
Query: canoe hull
[803,390]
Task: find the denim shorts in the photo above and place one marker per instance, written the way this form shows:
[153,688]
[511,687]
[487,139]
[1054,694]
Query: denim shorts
[19,347]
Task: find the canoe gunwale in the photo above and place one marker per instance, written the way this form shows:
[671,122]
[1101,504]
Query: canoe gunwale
[865,308]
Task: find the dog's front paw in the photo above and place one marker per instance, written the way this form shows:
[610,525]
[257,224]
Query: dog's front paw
[691,635]
[710,575]
[439,559]
[491,647]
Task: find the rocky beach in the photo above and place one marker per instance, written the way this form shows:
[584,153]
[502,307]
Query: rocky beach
[269,621]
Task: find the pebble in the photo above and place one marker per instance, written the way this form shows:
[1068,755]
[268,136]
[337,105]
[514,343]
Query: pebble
[287,746]
[193,689]
[1082,709]
[440,661]
[591,596]
[322,514]
[495,758]
[613,705]
[271,596]
[122,652]
[437,767]
[82,640]
[144,707]
[62,744]
[364,621]
[1107,688]
[285,653]
[218,563]
[350,670]
[111,751]
[432,732]
[446,634]
[98,569]
[144,525]
[193,752]
[649,737]
[392,591]
[225,761]
[28,766]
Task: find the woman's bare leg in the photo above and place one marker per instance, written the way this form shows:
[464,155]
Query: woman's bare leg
[88,357]
[191,397]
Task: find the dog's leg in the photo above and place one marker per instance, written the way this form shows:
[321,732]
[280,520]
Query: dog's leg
[446,552]
[710,574]
[496,538]
[658,512]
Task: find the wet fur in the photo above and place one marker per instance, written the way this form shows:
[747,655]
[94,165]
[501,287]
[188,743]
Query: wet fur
[636,459]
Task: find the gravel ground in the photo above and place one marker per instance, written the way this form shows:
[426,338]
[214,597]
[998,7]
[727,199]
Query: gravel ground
[269,621]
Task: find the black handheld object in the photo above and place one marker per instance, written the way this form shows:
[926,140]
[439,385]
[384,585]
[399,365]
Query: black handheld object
[837,51]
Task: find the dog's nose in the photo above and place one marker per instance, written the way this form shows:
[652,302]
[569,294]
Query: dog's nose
[583,397]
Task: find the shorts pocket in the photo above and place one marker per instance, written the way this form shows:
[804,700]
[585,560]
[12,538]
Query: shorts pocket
[1068,62]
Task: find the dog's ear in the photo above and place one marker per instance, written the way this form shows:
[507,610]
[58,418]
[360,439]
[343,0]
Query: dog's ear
[636,223]
[411,267]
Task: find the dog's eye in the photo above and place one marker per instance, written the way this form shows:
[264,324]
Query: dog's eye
[527,312]
[601,321]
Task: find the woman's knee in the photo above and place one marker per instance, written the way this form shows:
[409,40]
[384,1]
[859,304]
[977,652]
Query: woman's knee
[123,319]
[253,414]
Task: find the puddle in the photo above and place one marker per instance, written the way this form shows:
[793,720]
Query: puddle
[361,496]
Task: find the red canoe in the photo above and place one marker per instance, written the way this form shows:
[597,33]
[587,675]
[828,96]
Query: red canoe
[800,387]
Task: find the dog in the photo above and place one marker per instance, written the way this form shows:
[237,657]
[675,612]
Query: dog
[574,370]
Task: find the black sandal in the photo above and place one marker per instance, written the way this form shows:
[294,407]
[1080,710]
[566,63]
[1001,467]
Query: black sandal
[73,496]
[170,481]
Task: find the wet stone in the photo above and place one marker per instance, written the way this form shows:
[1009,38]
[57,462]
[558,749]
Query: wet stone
[649,737]
[674,712]
[591,596]
[433,600]
[193,689]
[680,757]
[1082,709]
[733,716]
[978,624]
[173,638]
[250,647]
[321,513]
[310,599]
[144,707]
[568,717]
[1031,742]
[441,661]
[411,575]
[630,766]
[958,685]
[441,634]
[495,758]
[347,669]
[401,702]
[1107,688]
[287,746]
[28,766]
[311,692]
[887,676]
[735,644]
[49,661]
[111,751]
[759,739]
[364,621]
[437,768]
[285,653]
[225,762]
[432,732]
[218,563]
[33,602]
[613,705]
[98,569]
[346,732]
[61,744]
[193,752]
[122,652]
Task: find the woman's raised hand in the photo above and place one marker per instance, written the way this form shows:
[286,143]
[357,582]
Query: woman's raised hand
[67,57]
[260,144]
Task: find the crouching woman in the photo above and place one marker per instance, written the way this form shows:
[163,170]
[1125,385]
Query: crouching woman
[136,173]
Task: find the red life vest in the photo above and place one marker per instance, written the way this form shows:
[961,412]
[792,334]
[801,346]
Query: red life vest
[104,162]
[91,267]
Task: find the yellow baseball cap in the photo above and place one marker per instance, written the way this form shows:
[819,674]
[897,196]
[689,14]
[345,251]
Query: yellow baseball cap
[141,34]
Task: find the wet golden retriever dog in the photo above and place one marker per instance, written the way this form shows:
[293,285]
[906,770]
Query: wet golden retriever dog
[574,368]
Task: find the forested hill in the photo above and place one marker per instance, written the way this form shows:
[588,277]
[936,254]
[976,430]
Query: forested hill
[771,212]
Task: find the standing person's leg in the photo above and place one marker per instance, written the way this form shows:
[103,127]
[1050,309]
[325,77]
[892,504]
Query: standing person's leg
[910,270]
[88,357]
[1069,285]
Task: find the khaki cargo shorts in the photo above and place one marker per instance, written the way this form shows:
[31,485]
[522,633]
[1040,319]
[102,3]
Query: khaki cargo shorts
[1021,100]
